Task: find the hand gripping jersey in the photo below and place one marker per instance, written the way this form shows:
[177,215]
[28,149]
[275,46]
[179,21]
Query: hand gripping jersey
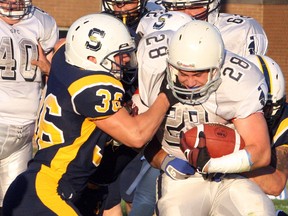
[70,144]
[20,82]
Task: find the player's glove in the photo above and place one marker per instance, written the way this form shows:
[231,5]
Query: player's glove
[168,92]
[177,168]
[198,157]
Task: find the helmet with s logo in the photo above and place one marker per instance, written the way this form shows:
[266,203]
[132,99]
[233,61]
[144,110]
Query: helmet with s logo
[102,37]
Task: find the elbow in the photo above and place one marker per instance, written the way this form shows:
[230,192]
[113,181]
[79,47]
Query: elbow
[281,184]
[277,189]
[136,142]
[139,144]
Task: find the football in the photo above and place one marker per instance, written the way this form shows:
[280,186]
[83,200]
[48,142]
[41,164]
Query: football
[220,139]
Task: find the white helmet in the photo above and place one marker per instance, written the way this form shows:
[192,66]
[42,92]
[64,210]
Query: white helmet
[211,13]
[15,9]
[196,46]
[276,86]
[101,36]
[169,20]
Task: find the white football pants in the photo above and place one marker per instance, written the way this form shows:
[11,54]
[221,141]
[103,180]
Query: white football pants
[15,152]
[233,196]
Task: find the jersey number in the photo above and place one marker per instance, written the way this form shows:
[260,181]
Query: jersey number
[159,51]
[231,72]
[47,133]
[8,64]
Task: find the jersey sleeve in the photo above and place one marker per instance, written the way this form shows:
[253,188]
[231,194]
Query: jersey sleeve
[256,41]
[48,34]
[96,96]
[242,35]
[243,90]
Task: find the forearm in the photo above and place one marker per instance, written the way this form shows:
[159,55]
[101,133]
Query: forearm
[150,120]
[257,145]
[135,131]
[154,153]
[270,180]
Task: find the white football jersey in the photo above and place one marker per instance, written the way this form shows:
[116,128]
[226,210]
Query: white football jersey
[242,35]
[20,81]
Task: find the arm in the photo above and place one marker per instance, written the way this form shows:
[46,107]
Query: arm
[135,131]
[253,129]
[272,180]
[254,132]
[154,153]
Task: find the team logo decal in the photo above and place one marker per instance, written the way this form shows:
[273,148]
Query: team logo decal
[161,21]
[94,42]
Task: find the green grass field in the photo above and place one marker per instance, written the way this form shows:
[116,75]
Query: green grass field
[281,204]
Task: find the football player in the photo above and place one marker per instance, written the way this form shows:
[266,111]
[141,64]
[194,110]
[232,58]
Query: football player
[130,13]
[273,178]
[241,34]
[211,84]
[81,110]
[27,36]
[151,51]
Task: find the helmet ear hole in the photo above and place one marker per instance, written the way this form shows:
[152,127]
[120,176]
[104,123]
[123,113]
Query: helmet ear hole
[92,59]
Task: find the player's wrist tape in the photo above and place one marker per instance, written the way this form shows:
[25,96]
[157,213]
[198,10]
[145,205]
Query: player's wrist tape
[166,160]
[236,162]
